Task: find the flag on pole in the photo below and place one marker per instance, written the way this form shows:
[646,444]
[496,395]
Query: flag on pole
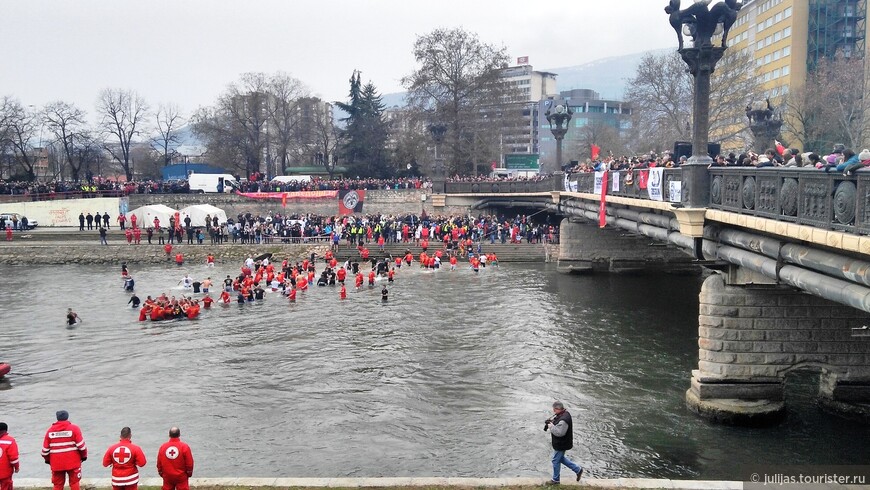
[602,209]
[779,148]
[523,60]
[596,150]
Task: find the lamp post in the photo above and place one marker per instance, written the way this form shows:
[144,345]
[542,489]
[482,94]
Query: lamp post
[438,131]
[559,127]
[701,23]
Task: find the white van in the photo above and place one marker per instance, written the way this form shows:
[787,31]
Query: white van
[201,183]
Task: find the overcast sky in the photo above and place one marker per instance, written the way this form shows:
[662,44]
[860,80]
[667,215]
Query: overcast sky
[187,51]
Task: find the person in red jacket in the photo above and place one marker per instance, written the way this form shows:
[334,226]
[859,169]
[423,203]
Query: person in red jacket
[175,462]
[64,449]
[8,457]
[125,458]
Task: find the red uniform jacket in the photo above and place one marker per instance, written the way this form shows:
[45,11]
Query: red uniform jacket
[63,446]
[124,457]
[8,456]
[174,460]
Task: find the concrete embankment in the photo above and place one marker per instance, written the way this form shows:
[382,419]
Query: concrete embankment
[398,483]
[59,253]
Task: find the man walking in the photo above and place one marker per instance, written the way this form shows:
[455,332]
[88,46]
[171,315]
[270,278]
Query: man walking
[125,458]
[175,462]
[64,449]
[8,457]
[562,435]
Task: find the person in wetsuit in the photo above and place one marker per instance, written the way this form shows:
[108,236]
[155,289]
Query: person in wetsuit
[384,294]
[134,300]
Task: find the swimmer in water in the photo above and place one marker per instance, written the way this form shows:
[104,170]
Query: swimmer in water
[72,317]
[384,294]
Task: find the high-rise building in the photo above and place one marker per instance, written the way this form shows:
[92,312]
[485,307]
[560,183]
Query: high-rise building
[521,134]
[787,38]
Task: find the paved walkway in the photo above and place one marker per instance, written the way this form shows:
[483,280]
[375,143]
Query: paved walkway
[408,482]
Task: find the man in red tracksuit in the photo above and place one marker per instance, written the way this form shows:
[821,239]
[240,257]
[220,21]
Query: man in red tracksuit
[175,462]
[64,449]
[124,457]
[8,457]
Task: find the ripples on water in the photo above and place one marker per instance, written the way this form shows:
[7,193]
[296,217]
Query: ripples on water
[452,377]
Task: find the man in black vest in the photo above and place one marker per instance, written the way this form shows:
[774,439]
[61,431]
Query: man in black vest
[561,431]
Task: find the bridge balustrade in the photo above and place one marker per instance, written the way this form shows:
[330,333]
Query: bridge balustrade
[550,183]
[628,187]
[805,196]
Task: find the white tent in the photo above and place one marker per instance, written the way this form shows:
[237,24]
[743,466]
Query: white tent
[145,215]
[198,213]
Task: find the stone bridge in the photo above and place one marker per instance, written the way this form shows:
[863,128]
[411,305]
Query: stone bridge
[791,252]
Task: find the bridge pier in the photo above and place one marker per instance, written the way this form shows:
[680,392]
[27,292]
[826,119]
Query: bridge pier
[751,337]
[585,248]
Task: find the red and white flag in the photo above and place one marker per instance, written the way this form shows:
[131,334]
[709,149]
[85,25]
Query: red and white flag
[523,60]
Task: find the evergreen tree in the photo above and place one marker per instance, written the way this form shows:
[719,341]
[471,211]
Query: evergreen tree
[363,140]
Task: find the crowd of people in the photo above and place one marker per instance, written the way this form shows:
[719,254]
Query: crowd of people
[326,184]
[381,229]
[840,159]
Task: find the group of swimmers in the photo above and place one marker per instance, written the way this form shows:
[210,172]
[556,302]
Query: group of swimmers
[257,277]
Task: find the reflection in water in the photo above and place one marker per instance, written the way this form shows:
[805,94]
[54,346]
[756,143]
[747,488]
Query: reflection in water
[452,377]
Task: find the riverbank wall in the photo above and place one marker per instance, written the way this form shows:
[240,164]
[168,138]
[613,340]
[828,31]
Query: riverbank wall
[78,253]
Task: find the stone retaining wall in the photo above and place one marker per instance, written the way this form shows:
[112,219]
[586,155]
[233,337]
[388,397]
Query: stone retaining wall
[382,202]
[115,254]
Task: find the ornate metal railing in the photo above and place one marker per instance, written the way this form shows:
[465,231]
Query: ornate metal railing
[550,183]
[630,184]
[799,195]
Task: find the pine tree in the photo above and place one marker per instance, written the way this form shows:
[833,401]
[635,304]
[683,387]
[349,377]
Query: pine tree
[364,137]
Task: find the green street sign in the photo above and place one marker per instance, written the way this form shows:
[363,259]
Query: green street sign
[521,161]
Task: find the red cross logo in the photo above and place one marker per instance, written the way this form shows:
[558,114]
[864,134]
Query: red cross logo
[121,455]
[172,452]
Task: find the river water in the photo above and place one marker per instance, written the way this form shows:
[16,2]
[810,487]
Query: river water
[453,376]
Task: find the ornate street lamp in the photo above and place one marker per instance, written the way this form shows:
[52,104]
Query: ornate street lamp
[701,23]
[439,176]
[559,120]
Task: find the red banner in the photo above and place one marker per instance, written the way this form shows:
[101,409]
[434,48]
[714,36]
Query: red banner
[602,209]
[284,196]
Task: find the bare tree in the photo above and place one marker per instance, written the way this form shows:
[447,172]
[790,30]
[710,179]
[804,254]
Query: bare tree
[327,137]
[603,134]
[458,77]
[661,95]
[286,93]
[123,114]
[66,123]
[19,127]
[168,119]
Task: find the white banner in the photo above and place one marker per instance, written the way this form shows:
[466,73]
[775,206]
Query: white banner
[675,191]
[654,185]
[567,183]
[599,178]
[573,186]
[614,186]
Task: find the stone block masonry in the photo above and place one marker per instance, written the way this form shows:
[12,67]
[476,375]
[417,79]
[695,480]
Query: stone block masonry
[750,338]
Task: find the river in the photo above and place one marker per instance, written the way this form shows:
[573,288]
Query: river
[453,376]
